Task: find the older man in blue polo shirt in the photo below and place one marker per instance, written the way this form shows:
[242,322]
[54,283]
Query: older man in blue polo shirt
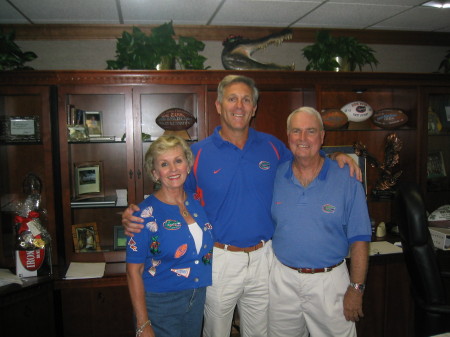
[320,214]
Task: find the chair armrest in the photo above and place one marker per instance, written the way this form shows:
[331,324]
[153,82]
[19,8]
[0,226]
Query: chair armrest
[445,274]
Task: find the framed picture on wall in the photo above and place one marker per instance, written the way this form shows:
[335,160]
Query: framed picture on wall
[94,123]
[85,237]
[435,165]
[349,150]
[88,178]
[120,239]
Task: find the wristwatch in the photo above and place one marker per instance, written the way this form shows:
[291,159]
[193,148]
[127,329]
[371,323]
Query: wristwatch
[358,286]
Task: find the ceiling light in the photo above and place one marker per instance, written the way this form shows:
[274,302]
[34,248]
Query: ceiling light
[437,4]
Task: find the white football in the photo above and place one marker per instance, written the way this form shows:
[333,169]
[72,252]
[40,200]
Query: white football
[357,111]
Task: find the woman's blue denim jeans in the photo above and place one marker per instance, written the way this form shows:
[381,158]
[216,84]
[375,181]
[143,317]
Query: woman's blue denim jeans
[178,313]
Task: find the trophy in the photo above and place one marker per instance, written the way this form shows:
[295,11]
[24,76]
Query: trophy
[385,185]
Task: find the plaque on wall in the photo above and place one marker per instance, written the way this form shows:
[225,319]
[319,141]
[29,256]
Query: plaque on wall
[14,129]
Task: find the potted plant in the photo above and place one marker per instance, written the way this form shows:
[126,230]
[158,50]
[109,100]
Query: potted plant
[159,50]
[330,53]
[445,64]
[11,56]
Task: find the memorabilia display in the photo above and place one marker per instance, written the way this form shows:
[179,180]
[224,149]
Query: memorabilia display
[435,165]
[357,111]
[389,118]
[385,185]
[93,122]
[237,51]
[16,129]
[85,237]
[176,121]
[88,180]
[334,119]
[120,239]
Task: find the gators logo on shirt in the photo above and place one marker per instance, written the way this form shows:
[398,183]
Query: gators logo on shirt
[264,165]
[328,208]
[171,225]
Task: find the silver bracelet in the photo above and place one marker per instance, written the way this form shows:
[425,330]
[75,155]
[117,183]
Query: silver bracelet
[142,327]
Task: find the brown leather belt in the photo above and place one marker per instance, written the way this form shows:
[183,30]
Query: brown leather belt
[316,270]
[239,249]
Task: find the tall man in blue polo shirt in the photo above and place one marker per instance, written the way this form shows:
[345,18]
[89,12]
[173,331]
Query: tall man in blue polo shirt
[233,175]
[320,214]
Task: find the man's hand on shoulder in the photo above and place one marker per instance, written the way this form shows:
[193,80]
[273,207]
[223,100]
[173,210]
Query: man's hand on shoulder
[131,224]
[343,159]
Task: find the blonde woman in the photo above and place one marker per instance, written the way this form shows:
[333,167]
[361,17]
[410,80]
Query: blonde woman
[169,262]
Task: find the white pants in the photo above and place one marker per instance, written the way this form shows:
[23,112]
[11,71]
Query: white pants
[304,305]
[238,279]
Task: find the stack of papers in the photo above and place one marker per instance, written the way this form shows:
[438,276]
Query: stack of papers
[82,270]
[383,247]
[6,277]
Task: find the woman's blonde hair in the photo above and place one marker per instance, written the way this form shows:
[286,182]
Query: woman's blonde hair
[163,144]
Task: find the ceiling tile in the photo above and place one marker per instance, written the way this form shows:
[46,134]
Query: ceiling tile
[69,11]
[261,13]
[350,16]
[9,15]
[187,12]
[420,19]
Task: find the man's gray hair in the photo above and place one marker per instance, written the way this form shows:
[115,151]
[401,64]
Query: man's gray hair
[309,111]
[230,79]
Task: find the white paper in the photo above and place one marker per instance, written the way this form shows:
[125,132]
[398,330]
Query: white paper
[81,270]
[383,247]
[6,277]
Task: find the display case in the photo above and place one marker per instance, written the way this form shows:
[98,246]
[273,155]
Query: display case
[102,168]
[437,182]
[26,147]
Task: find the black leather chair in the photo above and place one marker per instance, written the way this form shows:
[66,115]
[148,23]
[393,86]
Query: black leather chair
[432,311]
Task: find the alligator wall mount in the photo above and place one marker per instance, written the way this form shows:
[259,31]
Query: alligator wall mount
[237,52]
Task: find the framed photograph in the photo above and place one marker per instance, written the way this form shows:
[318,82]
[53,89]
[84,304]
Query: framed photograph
[88,180]
[435,165]
[20,129]
[120,239]
[85,237]
[77,133]
[93,122]
[349,150]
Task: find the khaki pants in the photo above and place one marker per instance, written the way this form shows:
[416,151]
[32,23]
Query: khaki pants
[240,279]
[308,304]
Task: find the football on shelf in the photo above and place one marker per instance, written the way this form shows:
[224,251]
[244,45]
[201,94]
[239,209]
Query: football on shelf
[333,119]
[389,118]
[357,111]
[175,119]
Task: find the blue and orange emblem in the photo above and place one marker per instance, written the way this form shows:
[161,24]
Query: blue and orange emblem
[172,225]
[328,208]
[264,165]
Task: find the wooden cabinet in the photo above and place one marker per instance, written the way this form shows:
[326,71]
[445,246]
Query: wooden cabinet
[128,115]
[437,150]
[95,308]
[130,101]
[28,309]
[24,151]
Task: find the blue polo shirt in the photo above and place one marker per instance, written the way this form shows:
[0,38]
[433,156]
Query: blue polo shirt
[316,225]
[167,248]
[236,185]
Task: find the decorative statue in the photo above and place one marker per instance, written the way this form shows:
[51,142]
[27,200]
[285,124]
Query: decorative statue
[384,187]
[237,51]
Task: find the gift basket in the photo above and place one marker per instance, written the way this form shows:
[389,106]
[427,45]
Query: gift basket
[33,242]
